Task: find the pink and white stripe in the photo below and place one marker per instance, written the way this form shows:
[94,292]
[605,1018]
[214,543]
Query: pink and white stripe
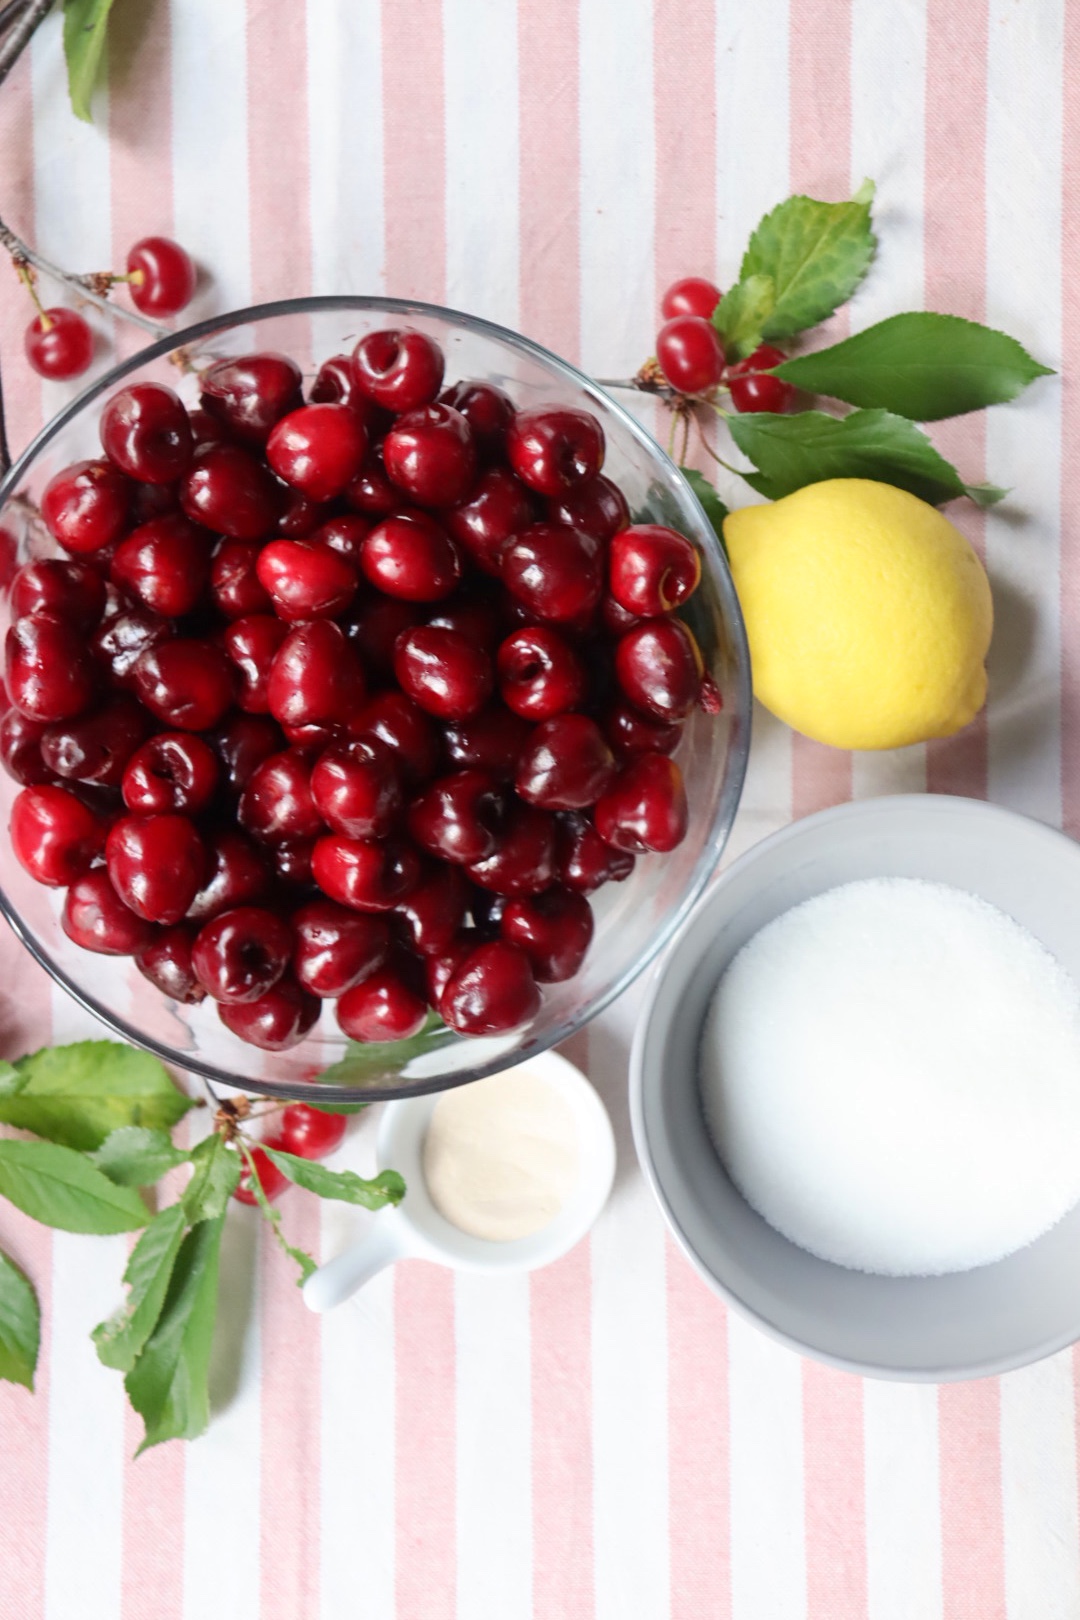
[602,1441]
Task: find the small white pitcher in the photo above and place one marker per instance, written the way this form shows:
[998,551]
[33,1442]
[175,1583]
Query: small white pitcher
[415,1229]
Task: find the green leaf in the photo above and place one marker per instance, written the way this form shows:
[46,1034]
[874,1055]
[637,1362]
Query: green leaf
[816,253]
[79,1094]
[20,1324]
[924,366]
[11,1081]
[742,313]
[59,1187]
[369,1063]
[344,1185]
[714,508]
[304,1260]
[135,1156]
[149,1268]
[334,1107]
[216,1177]
[169,1384]
[793,451]
[85,22]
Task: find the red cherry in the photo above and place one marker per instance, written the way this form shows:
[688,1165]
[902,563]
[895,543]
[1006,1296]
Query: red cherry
[583,861]
[629,732]
[120,641]
[373,626]
[524,861]
[556,572]
[187,684]
[315,678]
[458,818]
[646,808]
[554,929]
[652,569]
[478,619]
[443,672]
[371,492]
[357,789]
[300,517]
[493,741]
[690,295]
[54,835]
[68,590]
[344,535]
[241,743]
[406,730]
[248,395]
[238,876]
[146,433]
[567,764]
[161,276]
[554,449]
[305,580]
[292,862]
[491,992]
[598,507]
[226,489]
[271,1179]
[689,354]
[96,918]
[310,1133]
[96,747]
[399,369]
[165,564]
[751,391]
[615,619]
[336,947]
[157,864]
[252,643]
[276,805]
[365,875]
[59,344]
[166,962]
[20,749]
[439,969]
[50,675]
[497,508]
[432,914]
[204,429]
[488,411]
[659,667]
[278,1020]
[410,556]
[242,953]
[234,583]
[86,506]
[430,454]
[540,674]
[335,384]
[384,1007]
[174,771]
[319,449]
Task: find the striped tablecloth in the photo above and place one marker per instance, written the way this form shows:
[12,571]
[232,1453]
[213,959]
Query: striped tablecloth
[601,1440]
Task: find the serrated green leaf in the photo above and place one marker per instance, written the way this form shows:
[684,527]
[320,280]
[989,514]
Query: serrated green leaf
[85,22]
[305,1261]
[169,1384]
[149,1268]
[793,451]
[59,1187]
[920,365]
[816,253]
[742,313]
[713,506]
[11,1081]
[78,1094]
[135,1156]
[344,1185]
[20,1324]
[215,1179]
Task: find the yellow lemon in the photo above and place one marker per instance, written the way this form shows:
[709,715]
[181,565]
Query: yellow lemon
[868,613]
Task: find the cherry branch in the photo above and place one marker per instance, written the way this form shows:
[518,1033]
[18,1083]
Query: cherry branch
[20,32]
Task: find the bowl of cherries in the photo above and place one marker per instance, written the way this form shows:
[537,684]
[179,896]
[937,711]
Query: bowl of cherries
[377,699]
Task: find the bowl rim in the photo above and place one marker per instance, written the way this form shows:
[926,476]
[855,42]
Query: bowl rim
[943,803]
[739,735]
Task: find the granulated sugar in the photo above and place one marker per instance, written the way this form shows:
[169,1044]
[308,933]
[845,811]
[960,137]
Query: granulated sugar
[891,1074]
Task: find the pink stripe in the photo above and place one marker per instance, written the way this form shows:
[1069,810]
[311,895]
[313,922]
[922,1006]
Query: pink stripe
[426,1440]
[955,282]
[549,161]
[291,1462]
[684,94]
[280,210]
[699,1480]
[414,142]
[22,390]
[560,1306]
[140,147]
[972,1522]
[1070,427]
[836,1577]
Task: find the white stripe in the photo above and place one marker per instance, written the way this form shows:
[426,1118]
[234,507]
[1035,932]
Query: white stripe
[480,53]
[1038,1477]
[494,1456]
[208,48]
[768,1529]
[888,91]
[903,1501]
[346,145]
[1023,188]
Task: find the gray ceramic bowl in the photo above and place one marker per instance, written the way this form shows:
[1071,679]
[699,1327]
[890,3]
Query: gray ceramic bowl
[961,1325]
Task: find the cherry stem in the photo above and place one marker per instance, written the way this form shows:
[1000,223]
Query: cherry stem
[709,451]
[86,286]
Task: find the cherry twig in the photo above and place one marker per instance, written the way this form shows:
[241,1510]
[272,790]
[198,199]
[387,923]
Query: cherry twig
[8,13]
[20,32]
[86,286]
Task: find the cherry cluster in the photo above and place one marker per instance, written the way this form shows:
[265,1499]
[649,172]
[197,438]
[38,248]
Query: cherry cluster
[161,279]
[354,698]
[691,357]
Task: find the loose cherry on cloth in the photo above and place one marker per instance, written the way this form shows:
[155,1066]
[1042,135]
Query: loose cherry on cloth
[59,344]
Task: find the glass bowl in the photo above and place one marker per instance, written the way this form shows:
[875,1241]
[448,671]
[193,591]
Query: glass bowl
[634,919]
